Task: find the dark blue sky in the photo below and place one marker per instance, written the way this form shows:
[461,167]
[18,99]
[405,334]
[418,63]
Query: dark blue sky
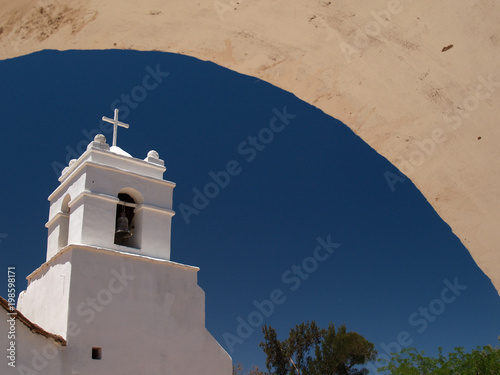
[305,176]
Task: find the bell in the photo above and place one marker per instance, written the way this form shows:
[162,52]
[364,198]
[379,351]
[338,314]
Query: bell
[122,229]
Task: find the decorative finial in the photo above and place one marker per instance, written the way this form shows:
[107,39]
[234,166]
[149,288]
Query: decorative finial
[100,138]
[115,123]
[153,154]
[154,158]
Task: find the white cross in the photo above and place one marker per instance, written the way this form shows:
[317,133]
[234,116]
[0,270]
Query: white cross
[115,123]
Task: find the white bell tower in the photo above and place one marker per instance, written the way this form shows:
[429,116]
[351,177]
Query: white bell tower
[108,286]
[100,189]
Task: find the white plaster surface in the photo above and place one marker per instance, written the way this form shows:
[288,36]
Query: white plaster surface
[35,354]
[119,151]
[155,317]
[46,300]
[147,315]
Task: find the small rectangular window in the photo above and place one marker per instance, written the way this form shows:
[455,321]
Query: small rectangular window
[96,353]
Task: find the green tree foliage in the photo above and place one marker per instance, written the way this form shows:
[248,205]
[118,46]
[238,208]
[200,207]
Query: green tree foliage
[480,361]
[310,350]
[238,370]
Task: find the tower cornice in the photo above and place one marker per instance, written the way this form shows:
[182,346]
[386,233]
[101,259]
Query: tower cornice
[103,250]
[109,157]
[78,168]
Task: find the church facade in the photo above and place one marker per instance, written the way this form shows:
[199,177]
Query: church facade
[108,299]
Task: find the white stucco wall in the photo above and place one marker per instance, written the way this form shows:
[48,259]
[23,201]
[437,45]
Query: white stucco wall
[35,354]
[147,315]
[71,187]
[151,312]
[46,300]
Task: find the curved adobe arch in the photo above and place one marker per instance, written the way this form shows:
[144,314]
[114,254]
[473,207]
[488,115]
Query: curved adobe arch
[417,81]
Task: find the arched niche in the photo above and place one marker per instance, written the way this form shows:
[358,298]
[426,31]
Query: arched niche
[64,223]
[127,223]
